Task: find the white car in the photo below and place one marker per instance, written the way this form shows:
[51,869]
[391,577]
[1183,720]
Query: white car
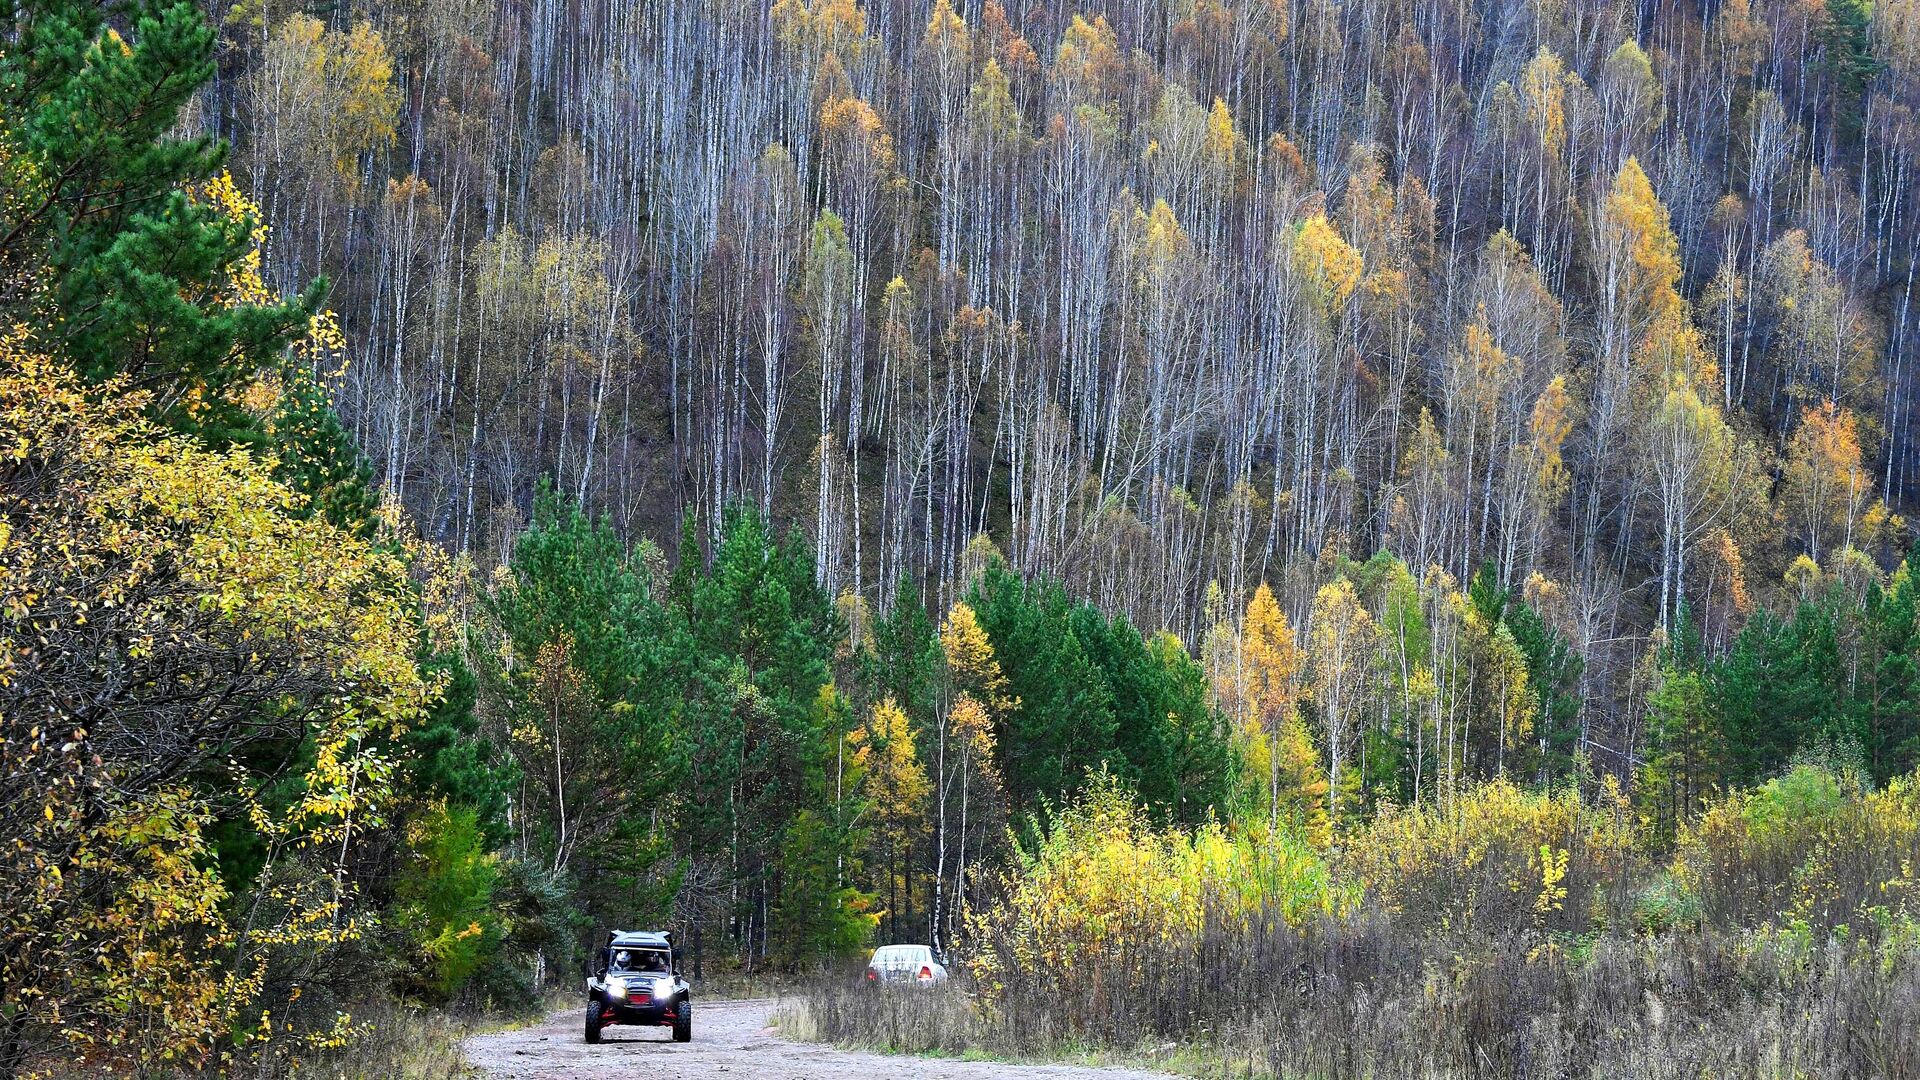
[905,965]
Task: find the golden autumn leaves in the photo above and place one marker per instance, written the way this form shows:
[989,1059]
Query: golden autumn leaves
[887,764]
[128,550]
[1452,679]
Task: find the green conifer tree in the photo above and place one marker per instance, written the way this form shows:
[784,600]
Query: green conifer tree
[104,250]
[319,458]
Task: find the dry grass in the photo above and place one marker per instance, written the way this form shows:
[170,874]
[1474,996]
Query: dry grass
[1364,998]
[406,1042]
[1780,941]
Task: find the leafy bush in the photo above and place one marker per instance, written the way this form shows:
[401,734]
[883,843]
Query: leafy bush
[1495,933]
[1807,849]
[1371,995]
[1107,912]
[230,626]
[446,900]
[1495,856]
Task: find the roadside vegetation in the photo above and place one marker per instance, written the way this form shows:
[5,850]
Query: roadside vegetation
[1494,933]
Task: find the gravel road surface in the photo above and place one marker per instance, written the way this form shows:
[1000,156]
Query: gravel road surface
[730,1039]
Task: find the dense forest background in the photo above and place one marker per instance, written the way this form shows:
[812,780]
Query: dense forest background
[1616,297]
[479,473]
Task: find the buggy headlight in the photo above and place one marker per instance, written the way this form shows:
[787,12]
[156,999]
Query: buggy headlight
[617,988]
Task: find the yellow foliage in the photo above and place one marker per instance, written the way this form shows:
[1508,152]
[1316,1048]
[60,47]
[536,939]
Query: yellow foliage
[946,30]
[1330,263]
[1089,59]
[1270,665]
[850,125]
[1807,849]
[224,616]
[1106,891]
[1823,484]
[895,781]
[1544,86]
[1300,797]
[972,728]
[1340,639]
[1227,149]
[970,660]
[1635,215]
[370,106]
[329,93]
[991,102]
[827,27]
[1803,577]
[1163,242]
[245,287]
[1270,660]
[1492,855]
[1549,426]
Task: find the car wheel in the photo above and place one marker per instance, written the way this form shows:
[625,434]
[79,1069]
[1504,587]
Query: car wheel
[683,1022]
[593,1021]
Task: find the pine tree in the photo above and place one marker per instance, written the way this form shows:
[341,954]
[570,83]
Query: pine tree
[1844,30]
[816,915]
[109,251]
[578,661]
[1195,778]
[1553,675]
[1301,790]
[1892,690]
[317,456]
[1682,750]
[903,660]
[1063,725]
[1781,686]
[756,644]
[447,756]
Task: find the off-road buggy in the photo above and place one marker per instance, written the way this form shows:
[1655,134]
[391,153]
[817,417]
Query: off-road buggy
[636,980]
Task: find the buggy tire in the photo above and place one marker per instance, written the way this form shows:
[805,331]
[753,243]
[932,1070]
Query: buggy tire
[683,1023]
[593,1021]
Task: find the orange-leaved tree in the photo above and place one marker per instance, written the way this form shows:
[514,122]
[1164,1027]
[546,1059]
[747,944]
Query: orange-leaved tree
[1271,663]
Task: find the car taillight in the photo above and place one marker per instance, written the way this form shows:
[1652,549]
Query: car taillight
[872,975]
[926,972]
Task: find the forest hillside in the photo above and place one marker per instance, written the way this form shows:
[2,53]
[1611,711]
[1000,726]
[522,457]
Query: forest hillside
[1156,296]
[1359,539]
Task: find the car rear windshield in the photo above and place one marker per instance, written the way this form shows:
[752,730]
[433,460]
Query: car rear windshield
[901,955]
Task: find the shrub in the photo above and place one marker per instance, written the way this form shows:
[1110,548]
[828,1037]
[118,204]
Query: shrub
[1494,856]
[1808,849]
[1371,995]
[1498,933]
[1106,906]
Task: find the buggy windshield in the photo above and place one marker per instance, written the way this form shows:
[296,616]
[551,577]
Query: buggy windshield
[640,962]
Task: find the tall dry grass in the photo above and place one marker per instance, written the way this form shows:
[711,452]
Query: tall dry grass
[1500,934]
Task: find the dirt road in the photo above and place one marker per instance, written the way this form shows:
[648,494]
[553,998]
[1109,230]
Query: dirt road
[730,1039]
